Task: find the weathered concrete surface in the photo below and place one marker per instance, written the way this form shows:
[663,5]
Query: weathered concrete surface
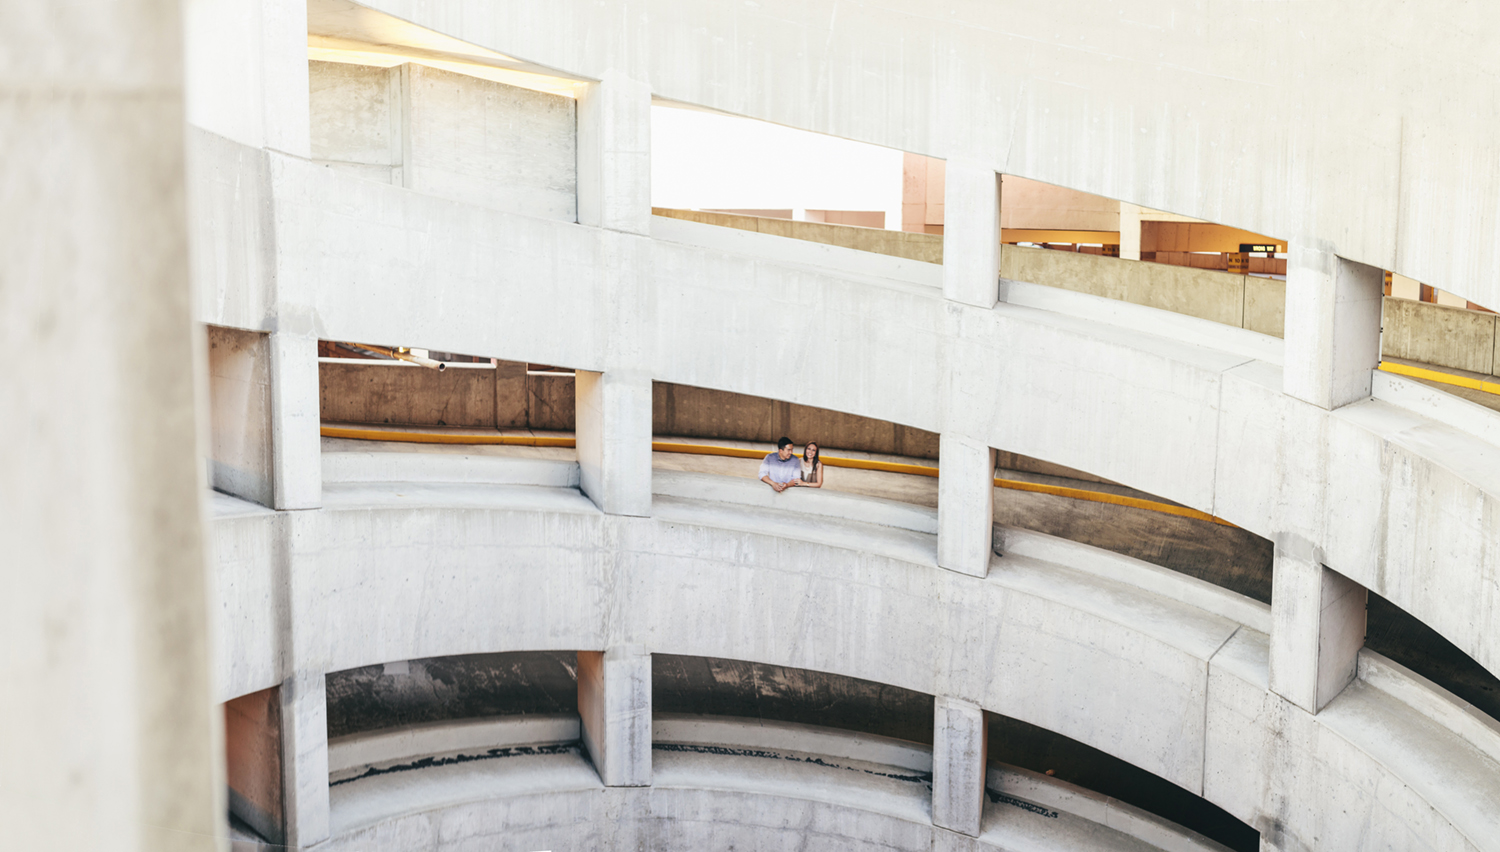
[723,783]
[1147,655]
[425,691]
[614,705]
[239,414]
[1434,334]
[720,687]
[356,119]
[252,744]
[1216,296]
[960,749]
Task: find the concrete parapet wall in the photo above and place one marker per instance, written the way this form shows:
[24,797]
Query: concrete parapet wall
[1435,334]
[1154,680]
[924,247]
[506,397]
[1202,293]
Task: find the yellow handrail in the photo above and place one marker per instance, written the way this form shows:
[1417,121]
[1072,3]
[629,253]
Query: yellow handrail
[375,434]
[1445,378]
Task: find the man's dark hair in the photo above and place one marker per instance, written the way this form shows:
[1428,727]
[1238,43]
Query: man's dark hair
[784,442]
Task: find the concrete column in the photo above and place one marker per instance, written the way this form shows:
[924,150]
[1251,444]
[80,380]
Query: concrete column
[295,441]
[966,504]
[614,440]
[1332,327]
[614,702]
[960,744]
[614,154]
[304,759]
[971,234]
[1317,626]
[110,733]
[1130,231]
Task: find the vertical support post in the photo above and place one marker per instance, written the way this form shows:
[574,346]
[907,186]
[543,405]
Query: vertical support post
[295,439]
[1130,231]
[960,743]
[966,504]
[614,440]
[614,154]
[304,759]
[1332,327]
[971,234]
[1317,626]
[614,702]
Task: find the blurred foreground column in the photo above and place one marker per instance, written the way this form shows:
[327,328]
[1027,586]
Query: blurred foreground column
[113,741]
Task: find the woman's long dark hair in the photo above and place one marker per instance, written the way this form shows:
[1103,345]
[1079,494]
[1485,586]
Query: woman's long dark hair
[817,458]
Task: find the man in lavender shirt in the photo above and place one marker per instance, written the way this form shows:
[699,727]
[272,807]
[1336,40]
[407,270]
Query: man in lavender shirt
[781,470]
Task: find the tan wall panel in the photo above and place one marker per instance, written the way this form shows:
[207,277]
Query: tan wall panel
[1433,334]
[1265,306]
[388,392]
[252,745]
[1209,295]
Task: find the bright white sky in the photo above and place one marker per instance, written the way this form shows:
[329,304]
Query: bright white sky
[702,160]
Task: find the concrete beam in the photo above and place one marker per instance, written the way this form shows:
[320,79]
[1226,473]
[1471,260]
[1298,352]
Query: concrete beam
[304,759]
[971,234]
[966,504]
[614,440]
[1332,327]
[1317,626]
[614,154]
[614,702]
[960,743]
[295,440]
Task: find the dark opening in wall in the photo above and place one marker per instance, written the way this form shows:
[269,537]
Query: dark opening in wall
[459,687]
[1395,633]
[715,687]
[1019,744]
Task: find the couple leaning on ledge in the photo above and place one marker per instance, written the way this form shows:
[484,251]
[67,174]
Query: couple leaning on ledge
[782,469]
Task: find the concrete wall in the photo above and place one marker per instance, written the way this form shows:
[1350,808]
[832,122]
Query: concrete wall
[1433,334]
[357,119]
[492,144]
[358,391]
[447,134]
[1347,169]
[252,740]
[927,248]
[1162,677]
[239,413]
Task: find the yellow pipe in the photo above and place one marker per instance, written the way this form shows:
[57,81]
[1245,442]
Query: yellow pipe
[1445,378]
[366,434]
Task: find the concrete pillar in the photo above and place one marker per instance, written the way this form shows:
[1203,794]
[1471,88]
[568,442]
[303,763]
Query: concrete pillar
[960,744]
[110,733]
[1317,626]
[1130,231]
[614,702]
[966,504]
[614,154]
[295,440]
[971,234]
[304,759]
[1332,327]
[614,440]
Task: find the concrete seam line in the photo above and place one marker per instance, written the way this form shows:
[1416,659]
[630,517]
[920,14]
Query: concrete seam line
[1444,378]
[746,453]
